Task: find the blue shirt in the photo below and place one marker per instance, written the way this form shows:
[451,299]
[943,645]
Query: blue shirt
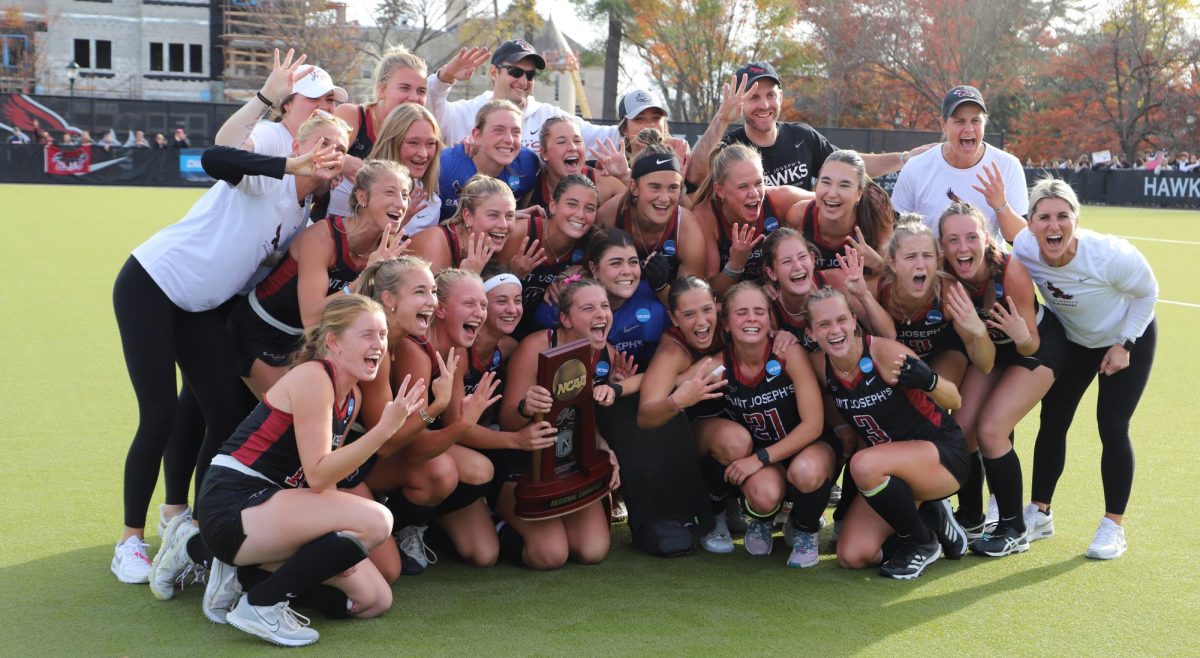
[457,168]
[638,325]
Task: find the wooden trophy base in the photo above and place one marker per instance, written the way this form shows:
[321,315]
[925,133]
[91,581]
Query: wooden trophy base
[548,499]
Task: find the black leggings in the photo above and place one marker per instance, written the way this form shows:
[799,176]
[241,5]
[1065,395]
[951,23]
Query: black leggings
[1116,401]
[155,336]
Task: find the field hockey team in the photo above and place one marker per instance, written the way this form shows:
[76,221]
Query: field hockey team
[771,332]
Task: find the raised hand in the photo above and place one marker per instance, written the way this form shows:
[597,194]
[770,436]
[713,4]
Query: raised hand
[463,65]
[623,368]
[408,400]
[734,95]
[416,203]
[476,403]
[322,157]
[1006,318]
[527,258]
[991,186]
[390,246]
[745,238]
[479,252]
[851,265]
[870,257]
[283,76]
[443,385]
[705,384]
[610,160]
[961,311]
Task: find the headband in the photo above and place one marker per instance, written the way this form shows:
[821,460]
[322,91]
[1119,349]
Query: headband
[499,280]
[651,163]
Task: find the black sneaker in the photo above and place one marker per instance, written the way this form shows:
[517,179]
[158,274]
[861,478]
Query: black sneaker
[910,560]
[950,534]
[1001,540]
[973,526]
[835,496]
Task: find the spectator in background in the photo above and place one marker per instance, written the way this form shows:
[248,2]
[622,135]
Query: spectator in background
[180,139]
[160,142]
[18,137]
[70,139]
[139,140]
[45,138]
[1188,162]
[109,140]
[85,138]
[1083,164]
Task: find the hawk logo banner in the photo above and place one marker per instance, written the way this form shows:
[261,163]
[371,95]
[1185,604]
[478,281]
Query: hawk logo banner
[68,161]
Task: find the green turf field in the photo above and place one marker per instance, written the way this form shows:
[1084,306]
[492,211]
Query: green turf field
[69,415]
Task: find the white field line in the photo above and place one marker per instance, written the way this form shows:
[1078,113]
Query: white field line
[1187,304]
[1134,237]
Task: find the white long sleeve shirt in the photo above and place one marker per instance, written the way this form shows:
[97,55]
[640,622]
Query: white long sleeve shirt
[457,118]
[1107,290]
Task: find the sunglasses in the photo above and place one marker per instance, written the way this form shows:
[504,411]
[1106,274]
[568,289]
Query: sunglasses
[516,72]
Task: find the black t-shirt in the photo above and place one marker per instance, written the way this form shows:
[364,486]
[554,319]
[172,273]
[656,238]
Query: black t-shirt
[794,159]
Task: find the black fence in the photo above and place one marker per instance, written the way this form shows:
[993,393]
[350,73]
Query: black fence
[27,163]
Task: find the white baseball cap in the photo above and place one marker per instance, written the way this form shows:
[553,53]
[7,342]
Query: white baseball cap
[638,101]
[316,83]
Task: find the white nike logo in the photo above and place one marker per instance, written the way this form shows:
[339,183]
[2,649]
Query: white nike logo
[870,380]
[771,378]
[657,161]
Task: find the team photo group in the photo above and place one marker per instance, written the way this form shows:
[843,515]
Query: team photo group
[365,307]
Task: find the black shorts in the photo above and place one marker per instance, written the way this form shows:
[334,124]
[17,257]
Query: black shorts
[224,495]
[360,474]
[509,464]
[255,339]
[952,453]
[1052,348]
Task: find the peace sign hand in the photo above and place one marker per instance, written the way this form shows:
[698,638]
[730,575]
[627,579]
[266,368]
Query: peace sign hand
[527,258]
[283,76]
[870,257]
[479,252]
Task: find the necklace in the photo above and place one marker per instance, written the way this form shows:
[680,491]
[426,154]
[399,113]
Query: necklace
[557,257]
[783,305]
[846,374]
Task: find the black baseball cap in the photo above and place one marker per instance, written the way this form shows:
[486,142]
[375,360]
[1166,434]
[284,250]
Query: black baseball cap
[511,52]
[959,95]
[755,70]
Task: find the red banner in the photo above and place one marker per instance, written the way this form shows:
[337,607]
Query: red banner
[68,161]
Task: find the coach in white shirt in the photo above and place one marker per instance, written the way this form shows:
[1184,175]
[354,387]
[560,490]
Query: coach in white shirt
[965,168]
[514,71]
[1103,291]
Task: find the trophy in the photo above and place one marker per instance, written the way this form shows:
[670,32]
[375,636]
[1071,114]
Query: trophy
[574,472]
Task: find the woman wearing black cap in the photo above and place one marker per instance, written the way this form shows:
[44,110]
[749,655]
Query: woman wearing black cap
[792,152]
[514,71]
[965,168]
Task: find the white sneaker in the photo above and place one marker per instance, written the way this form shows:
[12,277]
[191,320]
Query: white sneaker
[1038,524]
[718,540]
[130,563]
[277,624]
[993,513]
[172,558]
[1109,543]
[222,591]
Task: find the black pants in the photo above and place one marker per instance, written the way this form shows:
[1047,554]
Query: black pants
[1116,401]
[155,336]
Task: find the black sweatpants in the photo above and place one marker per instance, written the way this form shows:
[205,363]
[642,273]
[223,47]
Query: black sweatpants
[1116,401]
[156,335]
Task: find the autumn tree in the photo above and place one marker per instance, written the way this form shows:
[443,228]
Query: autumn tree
[317,28]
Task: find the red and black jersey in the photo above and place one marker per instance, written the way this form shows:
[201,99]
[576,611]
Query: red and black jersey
[364,139]
[266,440]
[768,221]
[795,324]
[928,331]
[456,250]
[765,404]
[535,284]
[826,254]
[881,413]
[542,193]
[663,255]
[277,296]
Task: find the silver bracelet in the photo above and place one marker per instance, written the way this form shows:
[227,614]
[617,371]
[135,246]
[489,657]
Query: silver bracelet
[732,273]
[1000,209]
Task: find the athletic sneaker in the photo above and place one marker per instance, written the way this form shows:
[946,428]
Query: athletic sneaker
[1038,524]
[130,563]
[1001,540]
[804,547]
[172,559]
[950,534]
[222,592]
[415,556]
[993,514]
[277,624]
[1109,542]
[910,560]
[163,521]
[973,527]
[718,540]
[835,495]
[735,516]
[759,537]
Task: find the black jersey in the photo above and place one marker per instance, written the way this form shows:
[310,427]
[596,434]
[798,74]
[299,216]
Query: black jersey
[276,295]
[535,284]
[704,408]
[660,261]
[768,221]
[542,193]
[266,440]
[765,404]
[794,159]
[881,413]
[795,324]
[456,250]
[364,139]
[926,332]
[993,289]
[826,256]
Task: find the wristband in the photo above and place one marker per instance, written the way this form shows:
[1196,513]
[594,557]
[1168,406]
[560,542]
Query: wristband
[1000,209]
[521,410]
[732,273]
[426,418]
[932,384]
[763,456]
[617,390]
[674,405]
[263,99]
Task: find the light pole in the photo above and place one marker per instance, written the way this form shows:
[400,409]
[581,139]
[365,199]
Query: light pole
[72,73]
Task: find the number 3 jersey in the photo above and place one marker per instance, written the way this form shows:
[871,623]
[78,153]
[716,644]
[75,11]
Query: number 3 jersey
[881,413]
[765,405]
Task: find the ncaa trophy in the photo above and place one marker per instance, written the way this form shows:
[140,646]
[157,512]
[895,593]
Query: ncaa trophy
[574,472]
